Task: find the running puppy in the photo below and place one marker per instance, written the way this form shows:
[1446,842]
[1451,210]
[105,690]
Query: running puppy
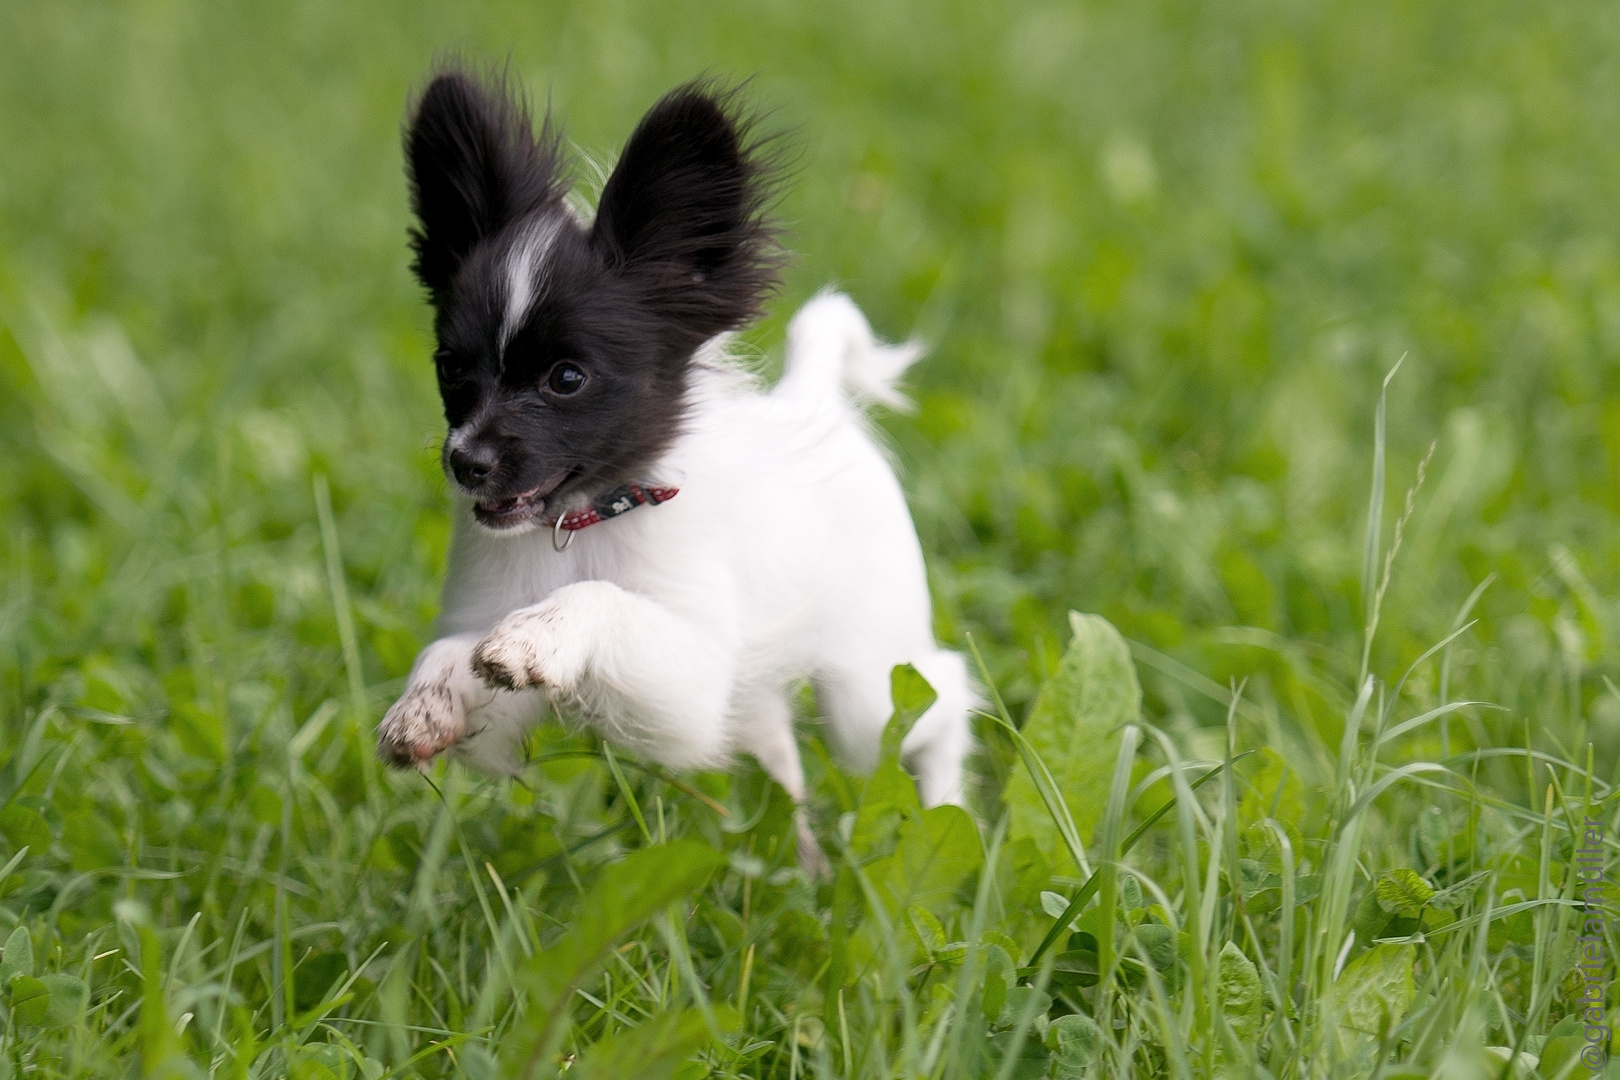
[642,531]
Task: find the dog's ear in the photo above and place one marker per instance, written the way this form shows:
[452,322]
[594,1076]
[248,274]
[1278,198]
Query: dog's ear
[683,216]
[474,166]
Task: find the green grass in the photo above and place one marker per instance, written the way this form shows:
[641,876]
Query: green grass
[1166,254]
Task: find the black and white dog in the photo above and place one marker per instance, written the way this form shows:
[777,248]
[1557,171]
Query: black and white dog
[643,533]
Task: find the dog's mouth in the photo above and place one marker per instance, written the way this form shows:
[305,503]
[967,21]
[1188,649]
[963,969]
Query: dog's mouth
[517,509]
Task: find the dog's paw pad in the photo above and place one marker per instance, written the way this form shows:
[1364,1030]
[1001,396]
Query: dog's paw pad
[419,727]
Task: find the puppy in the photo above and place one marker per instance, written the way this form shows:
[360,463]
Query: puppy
[643,534]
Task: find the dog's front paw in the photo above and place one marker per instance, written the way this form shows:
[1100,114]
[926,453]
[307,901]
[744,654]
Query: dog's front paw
[422,724]
[530,648]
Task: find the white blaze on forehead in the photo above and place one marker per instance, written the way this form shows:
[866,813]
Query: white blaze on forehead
[522,266]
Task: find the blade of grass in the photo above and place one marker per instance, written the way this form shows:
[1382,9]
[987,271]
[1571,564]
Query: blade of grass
[1375,525]
[358,704]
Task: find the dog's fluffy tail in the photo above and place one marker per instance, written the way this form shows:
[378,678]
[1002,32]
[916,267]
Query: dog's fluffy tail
[831,350]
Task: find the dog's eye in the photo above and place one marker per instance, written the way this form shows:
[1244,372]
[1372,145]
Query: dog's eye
[565,379]
[452,369]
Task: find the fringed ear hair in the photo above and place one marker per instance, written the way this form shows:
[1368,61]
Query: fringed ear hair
[684,215]
[475,166]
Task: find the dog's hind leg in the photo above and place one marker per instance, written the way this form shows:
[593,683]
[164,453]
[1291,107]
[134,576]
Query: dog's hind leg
[938,743]
[858,703]
[765,730]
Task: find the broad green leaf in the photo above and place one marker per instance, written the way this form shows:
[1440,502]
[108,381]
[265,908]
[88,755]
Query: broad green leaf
[1033,1057]
[650,1051]
[1559,1052]
[930,932]
[1509,1064]
[1073,728]
[1008,945]
[1023,875]
[1371,994]
[912,696]
[624,896]
[68,997]
[935,852]
[19,956]
[1242,1002]
[938,849]
[1403,892]
[47,810]
[889,798]
[30,999]
[1054,904]
[1076,967]
[318,1061]
[1075,1041]
[999,976]
[1157,943]
[1025,1001]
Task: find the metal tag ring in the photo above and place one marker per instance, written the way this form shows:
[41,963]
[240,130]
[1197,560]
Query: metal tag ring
[556,529]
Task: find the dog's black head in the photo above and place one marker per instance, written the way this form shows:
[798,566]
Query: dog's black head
[564,349]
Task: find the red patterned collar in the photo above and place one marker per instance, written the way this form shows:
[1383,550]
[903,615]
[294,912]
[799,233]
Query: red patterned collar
[610,504]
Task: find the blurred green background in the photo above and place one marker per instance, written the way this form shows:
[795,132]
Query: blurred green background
[1164,254]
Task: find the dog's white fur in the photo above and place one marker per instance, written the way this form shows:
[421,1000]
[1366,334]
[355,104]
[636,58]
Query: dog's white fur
[680,630]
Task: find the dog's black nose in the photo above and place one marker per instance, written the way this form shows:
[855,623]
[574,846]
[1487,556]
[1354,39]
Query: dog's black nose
[472,467]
